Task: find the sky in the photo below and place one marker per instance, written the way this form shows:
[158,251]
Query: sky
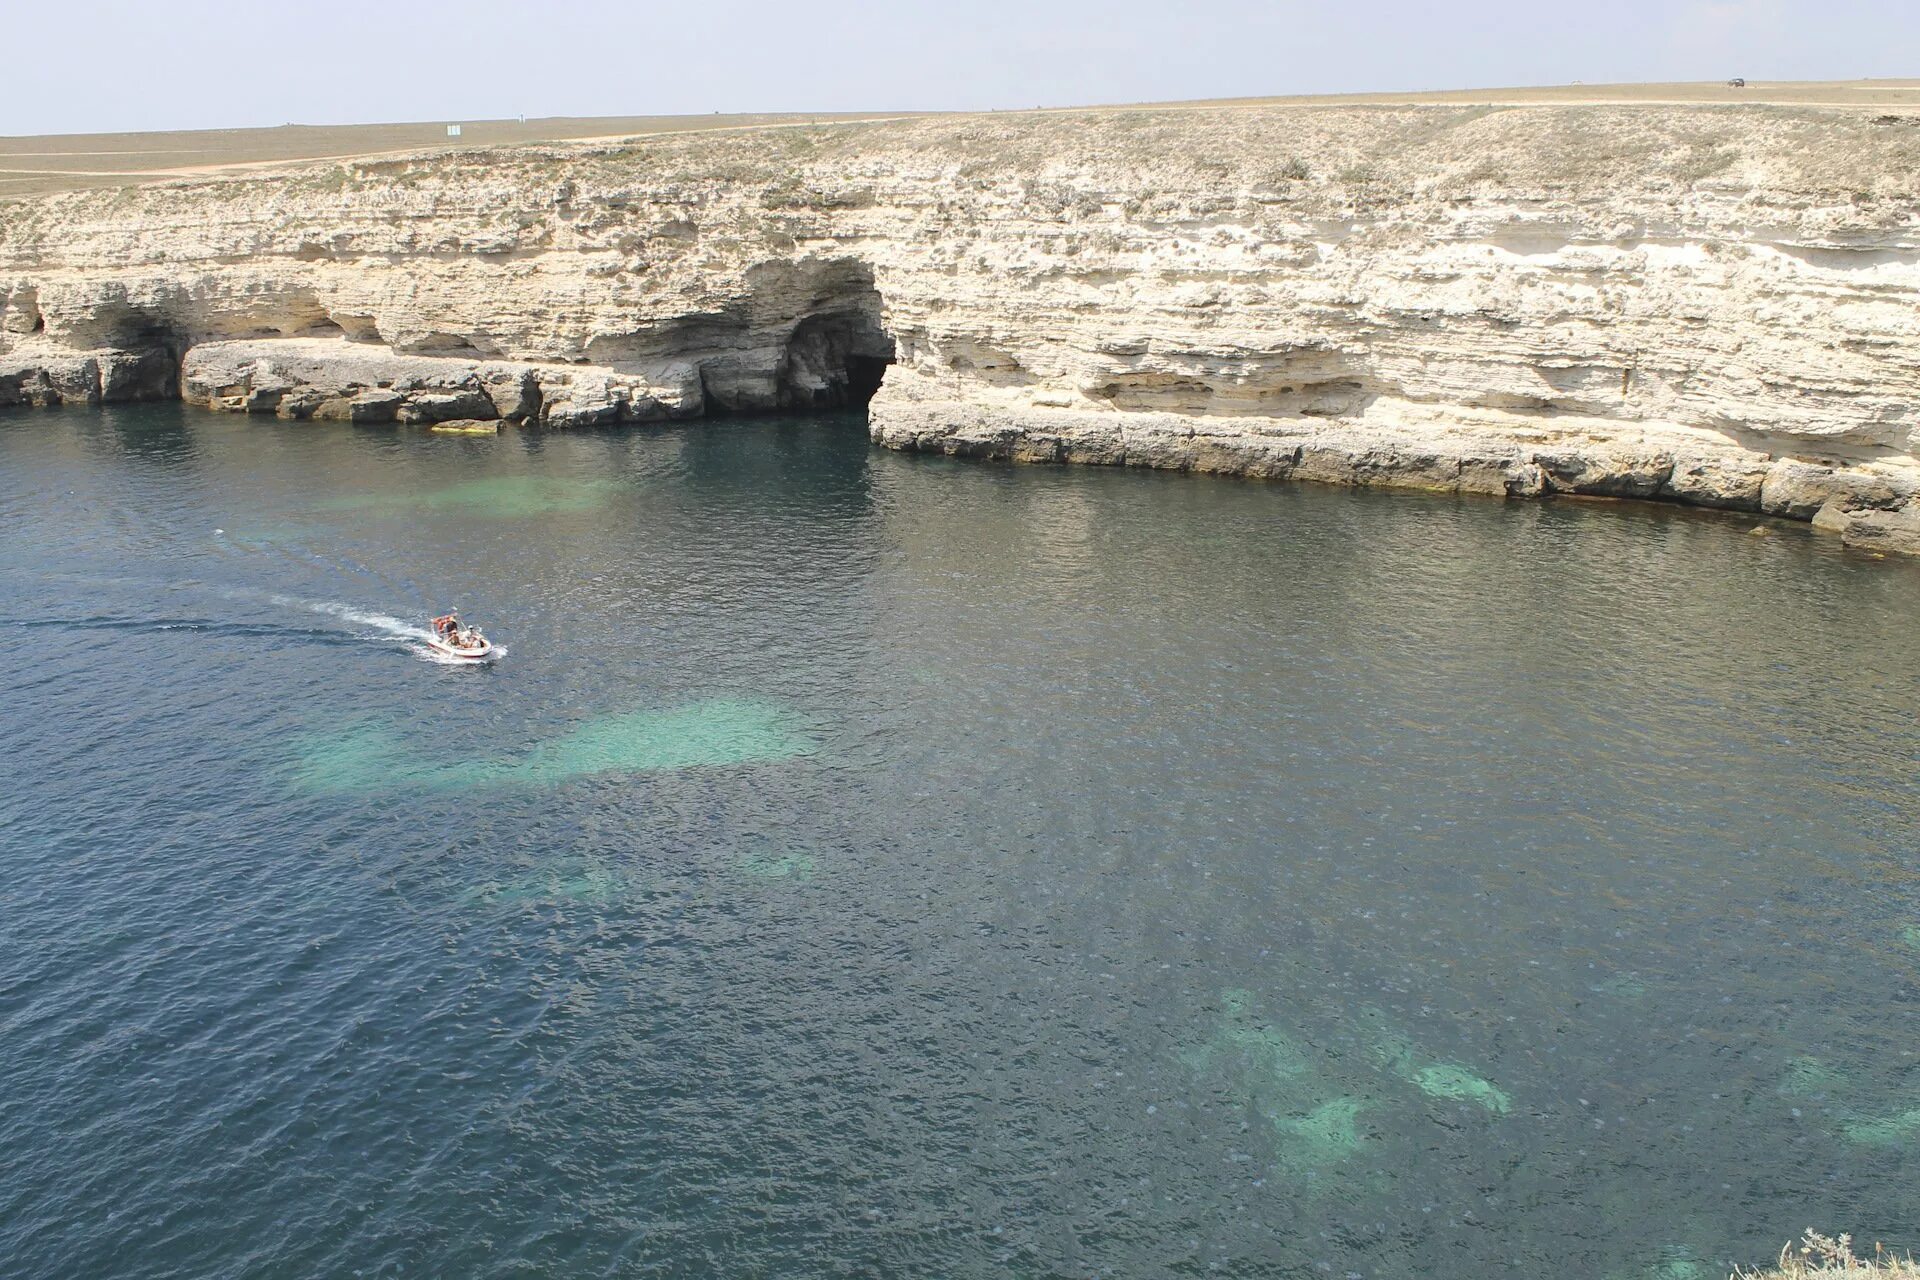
[109,66]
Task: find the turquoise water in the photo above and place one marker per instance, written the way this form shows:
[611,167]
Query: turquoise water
[867,864]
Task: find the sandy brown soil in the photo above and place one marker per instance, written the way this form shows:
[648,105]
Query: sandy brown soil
[67,161]
[64,162]
[1886,94]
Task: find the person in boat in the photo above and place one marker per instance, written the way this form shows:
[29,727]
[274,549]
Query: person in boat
[448,631]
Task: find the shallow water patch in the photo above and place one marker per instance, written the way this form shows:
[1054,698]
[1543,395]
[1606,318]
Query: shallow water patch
[372,757]
[1812,1079]
[497,497]
[1326,1104]
[591,883]
[1455,1083]
[1669,1262]
[1622,986]
[1449,1081]
[1314,1120]
[1807,1077]
[1265,1050]
[1894,1130]
[1325,1136]
[359,758]
[778,866]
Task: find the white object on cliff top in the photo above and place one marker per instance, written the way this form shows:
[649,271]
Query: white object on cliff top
[453,131]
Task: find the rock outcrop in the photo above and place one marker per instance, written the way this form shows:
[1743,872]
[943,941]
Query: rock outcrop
[333,379]
[1704,305]
[52,377]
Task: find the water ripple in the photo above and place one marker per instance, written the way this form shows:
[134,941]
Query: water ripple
[897,866]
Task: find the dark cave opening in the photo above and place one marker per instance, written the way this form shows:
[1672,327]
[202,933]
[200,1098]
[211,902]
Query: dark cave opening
[864,375]
[835,360]
[807,337]
[837,349]
[159,346]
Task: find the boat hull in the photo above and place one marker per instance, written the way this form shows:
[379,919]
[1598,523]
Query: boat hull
[441,647]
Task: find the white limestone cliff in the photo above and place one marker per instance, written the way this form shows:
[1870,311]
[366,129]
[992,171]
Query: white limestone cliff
[1712,305]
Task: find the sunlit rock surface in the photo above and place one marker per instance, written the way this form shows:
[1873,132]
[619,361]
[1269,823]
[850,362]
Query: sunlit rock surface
[1710,305]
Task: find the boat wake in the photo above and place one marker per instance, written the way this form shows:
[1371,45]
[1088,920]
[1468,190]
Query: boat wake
[365,624]
[199,626]
[382,626]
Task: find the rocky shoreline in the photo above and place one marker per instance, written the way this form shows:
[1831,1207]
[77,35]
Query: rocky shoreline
[1873,508]
[1711,306]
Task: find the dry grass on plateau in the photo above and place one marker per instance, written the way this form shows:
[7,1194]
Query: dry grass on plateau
[1819,1257]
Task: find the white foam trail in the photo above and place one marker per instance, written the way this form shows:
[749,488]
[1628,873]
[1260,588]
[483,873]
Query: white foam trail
[380,625]
[399,628]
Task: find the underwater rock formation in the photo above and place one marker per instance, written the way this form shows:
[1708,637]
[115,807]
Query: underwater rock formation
[1316,1100]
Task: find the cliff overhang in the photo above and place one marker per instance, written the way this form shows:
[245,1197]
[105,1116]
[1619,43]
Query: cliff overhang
[1693,304]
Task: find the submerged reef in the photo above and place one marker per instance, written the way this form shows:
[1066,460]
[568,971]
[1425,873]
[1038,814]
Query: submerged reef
[1317,1099]
[585,883]
[1450,1081]
[1809,1079]
[782,866]
[377,757]
[516,497]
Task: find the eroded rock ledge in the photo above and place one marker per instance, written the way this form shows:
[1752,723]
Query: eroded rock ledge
[334,380]
[1870,506]
[1706,305]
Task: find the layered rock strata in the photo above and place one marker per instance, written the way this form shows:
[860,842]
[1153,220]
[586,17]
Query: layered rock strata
[1697,304]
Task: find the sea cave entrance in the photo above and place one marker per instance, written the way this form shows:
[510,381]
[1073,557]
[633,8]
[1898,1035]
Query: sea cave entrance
[864,376]
[837,353]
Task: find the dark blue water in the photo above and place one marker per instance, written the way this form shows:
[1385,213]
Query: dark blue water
[865,864]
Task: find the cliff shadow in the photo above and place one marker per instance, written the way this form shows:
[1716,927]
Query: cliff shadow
[837,356]
[830,348]
[802,336]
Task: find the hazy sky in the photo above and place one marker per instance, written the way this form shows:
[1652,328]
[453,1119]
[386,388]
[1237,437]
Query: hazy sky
[90,65]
